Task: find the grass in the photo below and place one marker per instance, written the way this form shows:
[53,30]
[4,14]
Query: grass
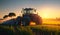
[30,30]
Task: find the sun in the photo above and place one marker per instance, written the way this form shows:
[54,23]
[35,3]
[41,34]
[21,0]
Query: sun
[45,15]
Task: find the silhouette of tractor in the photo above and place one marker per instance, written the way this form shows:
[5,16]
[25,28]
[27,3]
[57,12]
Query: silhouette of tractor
[30,15]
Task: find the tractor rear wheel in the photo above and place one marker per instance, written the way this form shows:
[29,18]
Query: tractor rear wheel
[36,18]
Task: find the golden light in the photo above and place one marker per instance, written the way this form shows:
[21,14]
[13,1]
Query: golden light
[47,12]
[45,15]
[32,23]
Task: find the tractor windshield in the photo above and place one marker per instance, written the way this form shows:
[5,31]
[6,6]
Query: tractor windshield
[28,11]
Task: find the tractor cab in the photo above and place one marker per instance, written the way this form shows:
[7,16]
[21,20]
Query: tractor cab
[28,11]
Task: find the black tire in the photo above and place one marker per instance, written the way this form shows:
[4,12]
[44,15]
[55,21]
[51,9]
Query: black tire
[36,18]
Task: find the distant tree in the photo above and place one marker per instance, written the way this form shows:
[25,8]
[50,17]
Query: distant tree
[11,14]
[5,16]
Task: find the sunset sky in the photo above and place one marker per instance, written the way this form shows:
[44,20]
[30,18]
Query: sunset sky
[45,8]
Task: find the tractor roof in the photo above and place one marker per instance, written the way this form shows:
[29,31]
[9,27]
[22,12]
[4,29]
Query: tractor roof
[28,9]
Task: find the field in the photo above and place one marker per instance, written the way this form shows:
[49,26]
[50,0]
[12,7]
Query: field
[30,30]
[48,27]
[51,21]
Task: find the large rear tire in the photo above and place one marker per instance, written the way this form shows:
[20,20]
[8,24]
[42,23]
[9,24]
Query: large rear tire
[36,18]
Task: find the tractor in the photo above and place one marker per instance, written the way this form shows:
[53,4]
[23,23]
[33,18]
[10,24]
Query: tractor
[30,15]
